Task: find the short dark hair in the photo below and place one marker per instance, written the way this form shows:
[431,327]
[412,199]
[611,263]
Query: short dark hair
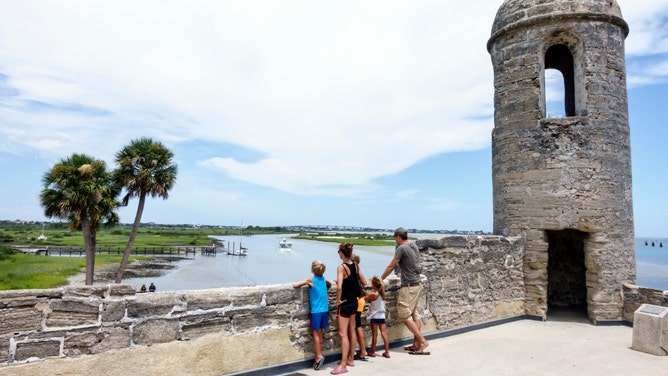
[401,232]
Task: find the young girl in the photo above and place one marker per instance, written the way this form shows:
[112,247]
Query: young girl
[377,316]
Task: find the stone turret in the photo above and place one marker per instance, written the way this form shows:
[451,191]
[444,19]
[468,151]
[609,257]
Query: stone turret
[564,182]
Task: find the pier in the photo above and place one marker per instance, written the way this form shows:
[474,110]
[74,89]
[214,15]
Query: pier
[148,251]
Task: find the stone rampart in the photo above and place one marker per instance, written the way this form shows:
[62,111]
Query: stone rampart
[111,329]
[635,296]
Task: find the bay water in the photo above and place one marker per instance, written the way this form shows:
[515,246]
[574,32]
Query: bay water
[265,264]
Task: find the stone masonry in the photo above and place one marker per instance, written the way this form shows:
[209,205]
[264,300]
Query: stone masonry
[468,280]
[564,183]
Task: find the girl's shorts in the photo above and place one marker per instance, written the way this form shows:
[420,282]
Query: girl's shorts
[378,321]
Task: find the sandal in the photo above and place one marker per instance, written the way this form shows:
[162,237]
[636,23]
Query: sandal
[410,348]
[338,371]
[318,364]
[386,354]
[371,354]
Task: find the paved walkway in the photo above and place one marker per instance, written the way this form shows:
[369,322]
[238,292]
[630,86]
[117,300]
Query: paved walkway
[560,346]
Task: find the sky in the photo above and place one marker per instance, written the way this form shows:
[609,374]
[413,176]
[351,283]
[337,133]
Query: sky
[280,113]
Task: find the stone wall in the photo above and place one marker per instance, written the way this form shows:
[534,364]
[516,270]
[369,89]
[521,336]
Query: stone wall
[110,329]
[635,296]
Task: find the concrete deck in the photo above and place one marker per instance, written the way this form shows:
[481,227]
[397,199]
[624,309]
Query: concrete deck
[563,345]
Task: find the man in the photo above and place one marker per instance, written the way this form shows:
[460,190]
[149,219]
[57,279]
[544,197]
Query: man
[407,256]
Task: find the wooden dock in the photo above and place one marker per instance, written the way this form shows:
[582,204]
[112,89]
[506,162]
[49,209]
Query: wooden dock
[138,251]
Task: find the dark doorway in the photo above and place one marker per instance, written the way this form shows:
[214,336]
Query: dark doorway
[566,271]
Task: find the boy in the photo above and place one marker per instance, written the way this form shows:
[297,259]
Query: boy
[317,292]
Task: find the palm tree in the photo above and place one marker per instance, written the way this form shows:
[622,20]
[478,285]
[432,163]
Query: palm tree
[80,189]
[145,167]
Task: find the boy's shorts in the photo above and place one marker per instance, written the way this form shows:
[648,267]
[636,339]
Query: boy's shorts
[319,321]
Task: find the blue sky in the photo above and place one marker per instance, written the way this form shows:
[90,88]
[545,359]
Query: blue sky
[358,113]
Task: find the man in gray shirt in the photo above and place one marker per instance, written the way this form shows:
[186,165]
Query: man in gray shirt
[407,256]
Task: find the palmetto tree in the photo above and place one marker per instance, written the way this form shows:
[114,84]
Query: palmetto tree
[80,189]
[145,168]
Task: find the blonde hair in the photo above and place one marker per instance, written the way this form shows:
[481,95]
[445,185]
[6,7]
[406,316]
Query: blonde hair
[378,285]
[318,268]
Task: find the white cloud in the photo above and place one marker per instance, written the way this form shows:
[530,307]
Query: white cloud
[331,95]
[320,89]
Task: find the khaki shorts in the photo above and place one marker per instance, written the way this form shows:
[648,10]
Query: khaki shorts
[407,304]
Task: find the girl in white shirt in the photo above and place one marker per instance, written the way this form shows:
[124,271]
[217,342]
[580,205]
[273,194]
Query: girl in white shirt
[376,316]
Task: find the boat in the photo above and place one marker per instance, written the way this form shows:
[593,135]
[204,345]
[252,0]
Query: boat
[42,236]
[285,245]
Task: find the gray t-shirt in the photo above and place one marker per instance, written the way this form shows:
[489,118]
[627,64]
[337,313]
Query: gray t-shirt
[409,261]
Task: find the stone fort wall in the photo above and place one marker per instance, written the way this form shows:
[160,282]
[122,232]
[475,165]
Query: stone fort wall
[110,329]
[97,329]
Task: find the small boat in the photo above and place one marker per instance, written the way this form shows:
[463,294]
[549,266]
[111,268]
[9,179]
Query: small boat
[42,236]
[285,245]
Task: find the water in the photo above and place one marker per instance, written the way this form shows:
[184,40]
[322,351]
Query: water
[266,265]
[652,263]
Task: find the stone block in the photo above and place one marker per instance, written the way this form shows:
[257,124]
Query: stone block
[650,329]
[37,349]
[69,312]
[20,320]
[156,331]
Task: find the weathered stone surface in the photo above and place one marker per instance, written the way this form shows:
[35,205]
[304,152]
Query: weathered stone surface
[23,301]
[113,310]
[20,320]
[37,349]
[564,180]
[156,304]
[121,290]
[69,312]
[92,342]
[208,299]
[85,291]
[45,293]
[195,326]
[156,331]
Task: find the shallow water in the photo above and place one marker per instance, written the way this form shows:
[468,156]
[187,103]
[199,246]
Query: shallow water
[265,264]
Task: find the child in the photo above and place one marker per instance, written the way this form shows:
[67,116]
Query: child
[317,292]
[377,316]
[359,330]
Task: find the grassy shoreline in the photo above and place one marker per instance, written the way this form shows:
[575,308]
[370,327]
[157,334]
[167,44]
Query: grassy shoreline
[23,271]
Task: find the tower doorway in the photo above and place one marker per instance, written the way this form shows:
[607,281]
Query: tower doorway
[567,273]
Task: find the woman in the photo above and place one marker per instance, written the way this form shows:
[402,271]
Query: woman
[347,291]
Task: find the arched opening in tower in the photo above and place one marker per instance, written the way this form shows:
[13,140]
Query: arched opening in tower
[566,270]
[559,57]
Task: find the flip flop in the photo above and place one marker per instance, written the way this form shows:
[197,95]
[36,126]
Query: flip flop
[338,371]
[410,348]
[419,352]
[359,357]
[317,365]
[386,354]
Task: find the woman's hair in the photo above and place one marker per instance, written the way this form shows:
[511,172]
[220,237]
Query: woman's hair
[346,249]
[318,268]
[378,284]
[355,258]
